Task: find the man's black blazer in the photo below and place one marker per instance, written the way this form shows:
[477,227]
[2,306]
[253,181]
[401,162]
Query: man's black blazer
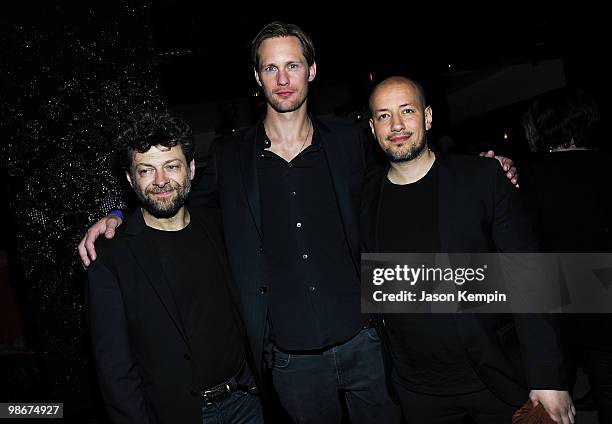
[479,212]
[141,352]
[230,182]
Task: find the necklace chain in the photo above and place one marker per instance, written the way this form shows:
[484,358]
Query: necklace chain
[310,127]
[306,139]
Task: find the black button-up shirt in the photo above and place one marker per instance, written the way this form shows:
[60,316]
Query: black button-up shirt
[314,288]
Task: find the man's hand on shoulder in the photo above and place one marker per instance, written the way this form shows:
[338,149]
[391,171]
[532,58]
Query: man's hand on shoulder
[558,404]
[106,226]
[506,164]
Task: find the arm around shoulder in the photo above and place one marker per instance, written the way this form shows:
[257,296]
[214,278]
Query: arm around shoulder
[106,226]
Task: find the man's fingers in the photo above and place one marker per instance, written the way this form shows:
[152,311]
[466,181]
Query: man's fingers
[558,417]
[83,253]
[563,414]
[558,404]
[86,248]
[111,225]
[92,235]
[91,250]
[571,413]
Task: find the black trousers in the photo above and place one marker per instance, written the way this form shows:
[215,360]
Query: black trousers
[481,407]
[598,366]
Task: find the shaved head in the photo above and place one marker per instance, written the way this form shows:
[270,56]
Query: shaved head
[400,120]
[395,81]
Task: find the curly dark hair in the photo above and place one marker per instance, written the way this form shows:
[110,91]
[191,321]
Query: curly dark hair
[146,129]
[278,30]
[560,118]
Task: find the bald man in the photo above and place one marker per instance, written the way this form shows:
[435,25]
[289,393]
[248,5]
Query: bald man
[449,368]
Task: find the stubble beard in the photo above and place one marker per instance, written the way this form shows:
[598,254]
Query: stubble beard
[281,106]
[164,208]
[413,152]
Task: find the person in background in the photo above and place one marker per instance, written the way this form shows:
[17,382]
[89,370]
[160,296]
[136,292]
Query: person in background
[568,188]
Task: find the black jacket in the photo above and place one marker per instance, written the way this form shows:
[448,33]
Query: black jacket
[479,212]
[141,353]
[230,182]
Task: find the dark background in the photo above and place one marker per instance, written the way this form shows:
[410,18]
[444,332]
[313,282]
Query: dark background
[71,72]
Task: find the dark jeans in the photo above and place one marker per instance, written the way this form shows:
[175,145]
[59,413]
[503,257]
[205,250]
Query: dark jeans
[238,408]
[310,387]
[598,365]
[480,407]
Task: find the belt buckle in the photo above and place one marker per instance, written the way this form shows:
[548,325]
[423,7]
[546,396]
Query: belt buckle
[216,394]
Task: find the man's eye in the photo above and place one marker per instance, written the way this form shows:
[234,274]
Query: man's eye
[293,66]
[144,172]
[382,116]
[269,68]
[406,111]
[173,167]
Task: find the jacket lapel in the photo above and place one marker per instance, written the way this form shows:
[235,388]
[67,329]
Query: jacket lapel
[446,204]
[247,147]
[205,224]
[145,255]
[336,163]
[377,206]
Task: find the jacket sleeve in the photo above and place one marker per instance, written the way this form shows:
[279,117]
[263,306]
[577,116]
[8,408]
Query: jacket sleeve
[204,192]
[374,158]
[120,381]
[538,334]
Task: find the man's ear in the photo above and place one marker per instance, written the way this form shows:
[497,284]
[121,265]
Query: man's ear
[257,77]
[371,121]
[428,117]
[192,168]
[312,71]
[129,178]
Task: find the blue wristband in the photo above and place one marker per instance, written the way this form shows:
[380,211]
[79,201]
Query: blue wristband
[117,213]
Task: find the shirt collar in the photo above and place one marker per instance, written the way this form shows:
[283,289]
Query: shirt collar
[263,142]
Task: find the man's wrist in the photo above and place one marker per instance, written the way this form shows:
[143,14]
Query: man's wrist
[118,213]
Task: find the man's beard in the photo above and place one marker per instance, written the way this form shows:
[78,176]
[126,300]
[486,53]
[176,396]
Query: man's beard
[412,153]
[164,207]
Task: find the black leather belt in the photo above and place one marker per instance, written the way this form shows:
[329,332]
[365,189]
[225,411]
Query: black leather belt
[223,390]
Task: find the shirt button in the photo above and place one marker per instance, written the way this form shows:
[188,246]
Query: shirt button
[299,225]
[262,155]
[304,256]
[311,288]
[293,193]
[260,249]
[263,289]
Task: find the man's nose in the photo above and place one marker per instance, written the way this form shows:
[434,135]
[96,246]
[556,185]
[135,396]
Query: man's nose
[396,123]
[282,77]
[161,179]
